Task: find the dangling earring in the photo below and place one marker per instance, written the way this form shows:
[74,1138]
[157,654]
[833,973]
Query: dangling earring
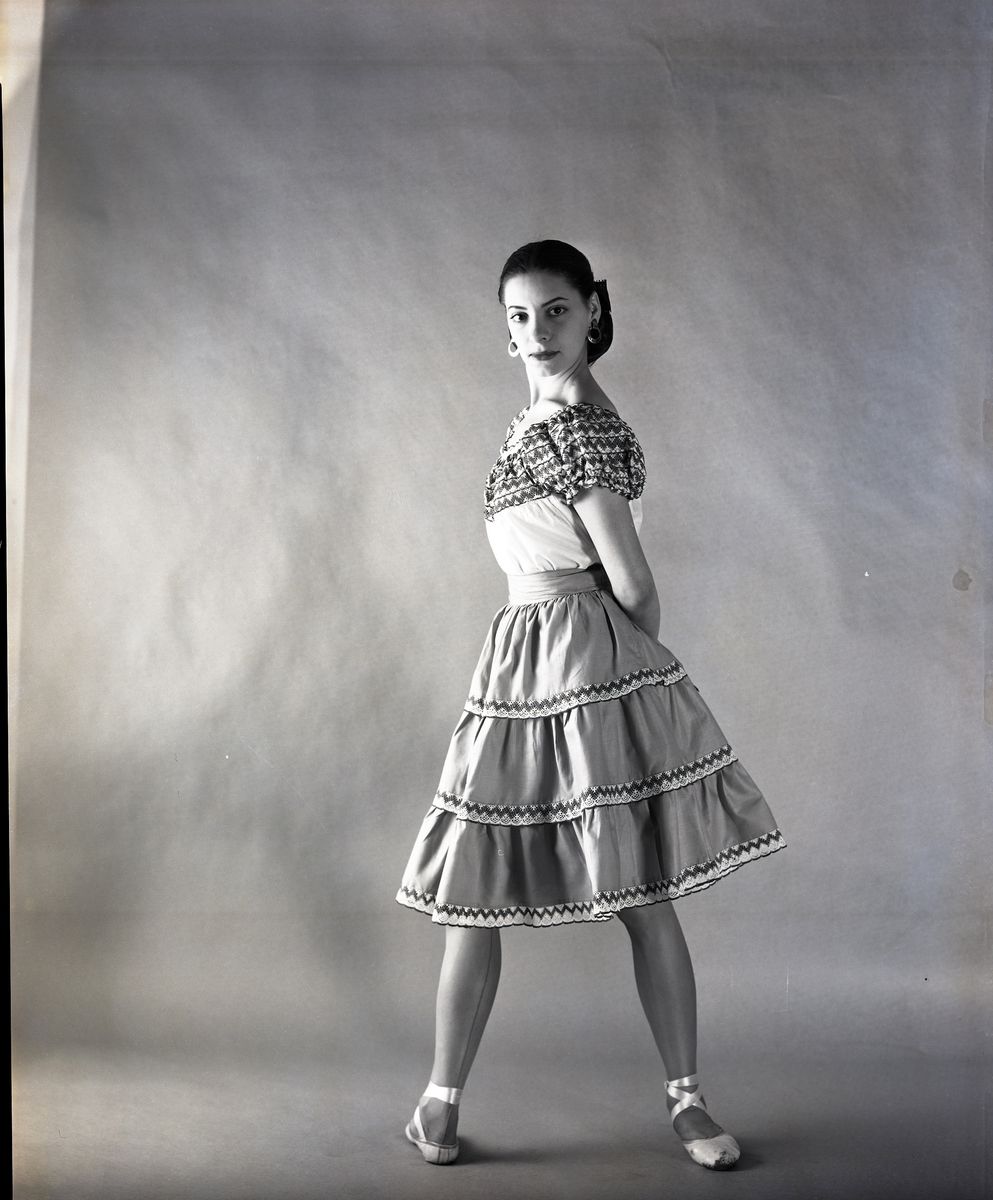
[512,349]
[594,329]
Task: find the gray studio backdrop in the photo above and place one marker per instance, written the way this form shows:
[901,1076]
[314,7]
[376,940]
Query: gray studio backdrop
[268,378]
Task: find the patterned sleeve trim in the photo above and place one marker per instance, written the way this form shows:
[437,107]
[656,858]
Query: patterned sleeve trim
[581,446]
[584,446]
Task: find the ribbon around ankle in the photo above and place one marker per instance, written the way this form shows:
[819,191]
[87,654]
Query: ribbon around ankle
[686,1093]
[449,1095]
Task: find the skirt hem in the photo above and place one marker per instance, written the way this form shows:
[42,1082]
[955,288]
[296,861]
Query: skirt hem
[604,905]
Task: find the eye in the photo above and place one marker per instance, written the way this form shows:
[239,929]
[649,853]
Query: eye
[517,317]
[557,309]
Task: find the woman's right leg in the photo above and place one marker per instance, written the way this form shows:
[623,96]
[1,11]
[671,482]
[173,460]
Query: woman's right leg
[470,972]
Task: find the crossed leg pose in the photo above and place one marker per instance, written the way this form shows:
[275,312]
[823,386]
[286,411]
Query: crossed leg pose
[663,972]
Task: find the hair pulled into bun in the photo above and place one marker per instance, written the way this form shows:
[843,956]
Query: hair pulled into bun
[559,258]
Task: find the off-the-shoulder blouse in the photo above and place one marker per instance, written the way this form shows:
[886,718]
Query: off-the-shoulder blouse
[530,522]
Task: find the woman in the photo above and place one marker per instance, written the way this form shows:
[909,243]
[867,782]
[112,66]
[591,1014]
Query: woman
[587,778]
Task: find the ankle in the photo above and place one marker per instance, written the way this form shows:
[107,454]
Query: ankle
[688,1109]
[684,1092]
[439,1120]
[447,1095]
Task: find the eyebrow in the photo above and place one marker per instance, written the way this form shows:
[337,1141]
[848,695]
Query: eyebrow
[544,303]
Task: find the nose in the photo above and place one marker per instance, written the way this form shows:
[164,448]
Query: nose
[540,331]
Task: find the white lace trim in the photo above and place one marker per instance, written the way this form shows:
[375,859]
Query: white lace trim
[595,796]
[587,693]
[604,905]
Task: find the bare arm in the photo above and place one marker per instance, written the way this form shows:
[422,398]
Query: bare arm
[607,517]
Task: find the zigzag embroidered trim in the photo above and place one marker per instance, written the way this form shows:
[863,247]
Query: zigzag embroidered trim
[596,796]
[589,693]
[604,905]
[515,493]
[578,447]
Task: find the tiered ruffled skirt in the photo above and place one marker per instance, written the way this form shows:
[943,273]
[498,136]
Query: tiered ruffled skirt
[586,775]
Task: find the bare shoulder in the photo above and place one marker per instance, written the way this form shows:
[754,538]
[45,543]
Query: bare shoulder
[605,404]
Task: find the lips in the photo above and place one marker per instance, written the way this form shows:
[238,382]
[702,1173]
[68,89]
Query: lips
[543,355]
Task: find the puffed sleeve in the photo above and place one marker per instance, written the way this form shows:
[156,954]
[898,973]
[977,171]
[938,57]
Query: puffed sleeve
[583,446]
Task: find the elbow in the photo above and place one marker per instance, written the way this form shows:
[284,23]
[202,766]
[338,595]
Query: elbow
[635,592]
[642,606]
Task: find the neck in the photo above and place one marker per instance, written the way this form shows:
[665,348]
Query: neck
[572,386]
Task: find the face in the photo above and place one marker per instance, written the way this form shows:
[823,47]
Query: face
[549,321]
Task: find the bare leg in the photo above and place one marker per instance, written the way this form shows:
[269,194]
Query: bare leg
[470,972]
[663,972]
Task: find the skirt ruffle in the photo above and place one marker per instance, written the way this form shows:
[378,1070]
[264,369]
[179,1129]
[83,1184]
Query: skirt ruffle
[586,775]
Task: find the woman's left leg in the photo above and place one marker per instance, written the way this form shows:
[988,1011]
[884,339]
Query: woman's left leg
[663,972]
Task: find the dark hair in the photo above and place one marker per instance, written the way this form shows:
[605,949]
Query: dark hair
[559,258]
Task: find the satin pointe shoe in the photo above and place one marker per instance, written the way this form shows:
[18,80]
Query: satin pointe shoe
[438,1153]
[719,1153]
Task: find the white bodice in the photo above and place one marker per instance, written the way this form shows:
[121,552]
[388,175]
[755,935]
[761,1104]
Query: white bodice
[546,534]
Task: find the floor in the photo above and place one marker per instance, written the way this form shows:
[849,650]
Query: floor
[110,1126]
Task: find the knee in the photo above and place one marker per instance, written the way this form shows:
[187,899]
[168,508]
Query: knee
[472,940]
[649,922]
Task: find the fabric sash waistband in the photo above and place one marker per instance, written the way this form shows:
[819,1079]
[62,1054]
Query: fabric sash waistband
[545,585]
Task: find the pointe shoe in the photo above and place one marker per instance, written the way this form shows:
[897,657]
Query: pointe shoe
[719,1153]
[438,1153]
